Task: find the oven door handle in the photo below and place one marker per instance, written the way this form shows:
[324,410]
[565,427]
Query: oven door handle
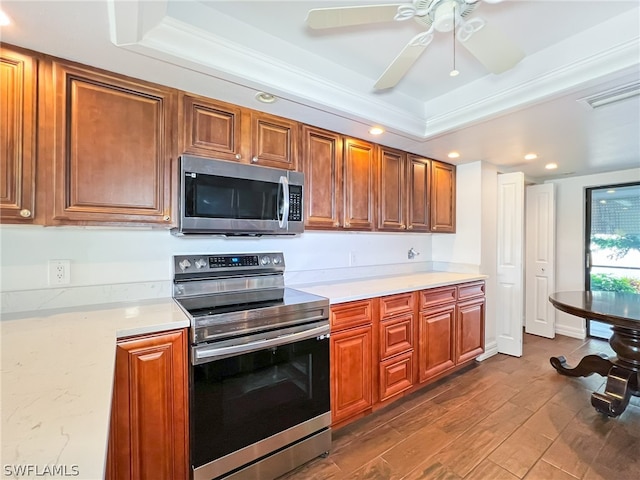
[206,353]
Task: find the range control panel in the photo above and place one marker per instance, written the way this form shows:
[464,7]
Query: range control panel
[220,263]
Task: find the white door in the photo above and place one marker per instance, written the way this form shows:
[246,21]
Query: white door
[540,315]
[509,297]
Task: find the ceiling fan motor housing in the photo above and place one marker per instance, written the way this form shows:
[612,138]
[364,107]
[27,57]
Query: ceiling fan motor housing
[442,14]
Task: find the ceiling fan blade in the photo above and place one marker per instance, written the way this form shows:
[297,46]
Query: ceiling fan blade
[490,46]
[347,16]
[404,61]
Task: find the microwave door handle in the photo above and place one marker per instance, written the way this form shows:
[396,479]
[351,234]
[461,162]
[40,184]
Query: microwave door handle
[283,187]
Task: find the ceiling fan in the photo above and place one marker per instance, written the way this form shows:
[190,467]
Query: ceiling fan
[489,45]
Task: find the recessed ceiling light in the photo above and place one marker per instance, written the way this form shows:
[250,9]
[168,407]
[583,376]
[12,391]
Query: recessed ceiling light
[376,130]
[551,166]
[530,156]
[266,97]
[4,19]
[453,155]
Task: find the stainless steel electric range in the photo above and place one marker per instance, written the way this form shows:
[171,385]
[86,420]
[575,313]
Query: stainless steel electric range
[259,366]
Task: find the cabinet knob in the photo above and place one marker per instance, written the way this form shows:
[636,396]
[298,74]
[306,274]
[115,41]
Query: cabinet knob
[166,218]
[410,227]
[25,213]
[337,224]
[403,226]
[254,159]
[238,156]
[347,224]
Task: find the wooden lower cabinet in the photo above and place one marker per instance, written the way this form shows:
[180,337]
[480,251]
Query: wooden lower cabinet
[436,342]
[470,330]
[149,412]
[396,375]
[351,375]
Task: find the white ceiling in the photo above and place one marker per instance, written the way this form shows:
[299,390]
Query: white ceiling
[231,49]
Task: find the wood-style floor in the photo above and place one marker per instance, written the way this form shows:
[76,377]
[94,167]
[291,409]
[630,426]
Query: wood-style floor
[505,418]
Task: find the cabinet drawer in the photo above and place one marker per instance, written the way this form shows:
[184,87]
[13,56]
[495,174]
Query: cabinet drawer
[437,296]
[469,290]
[351,314]
[396,304]
[396,375]
[396,335]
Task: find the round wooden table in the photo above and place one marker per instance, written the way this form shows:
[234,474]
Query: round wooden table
[622,312]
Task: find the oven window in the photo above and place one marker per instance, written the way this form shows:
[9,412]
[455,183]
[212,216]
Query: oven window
[222,197]
[241,400]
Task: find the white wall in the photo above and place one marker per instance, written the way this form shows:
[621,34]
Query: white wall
[473,247]
[116,264]
[570,231]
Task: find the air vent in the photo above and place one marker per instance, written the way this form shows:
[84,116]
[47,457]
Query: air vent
[614,95]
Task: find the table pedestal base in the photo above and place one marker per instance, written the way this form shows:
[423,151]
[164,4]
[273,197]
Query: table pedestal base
[622,372]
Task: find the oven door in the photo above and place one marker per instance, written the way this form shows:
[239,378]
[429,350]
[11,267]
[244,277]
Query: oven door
[253,397]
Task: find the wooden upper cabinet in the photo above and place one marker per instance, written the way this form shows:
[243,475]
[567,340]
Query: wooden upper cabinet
[418,194]
[18,97]
[211,128]
[215,129]
[113,139]
[274,141]
[443,197]
[359,185]
[392,190]
[322,168]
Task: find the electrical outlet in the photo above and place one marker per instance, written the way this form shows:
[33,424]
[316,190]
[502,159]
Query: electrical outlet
[59,272]
[352,259]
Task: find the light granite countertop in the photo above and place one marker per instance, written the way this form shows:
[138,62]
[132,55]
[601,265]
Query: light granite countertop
[57,378]
[350,290]
[58,365]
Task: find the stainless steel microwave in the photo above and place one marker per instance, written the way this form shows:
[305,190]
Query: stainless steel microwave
[229,198]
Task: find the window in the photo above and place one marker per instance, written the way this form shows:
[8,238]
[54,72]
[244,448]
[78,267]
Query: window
[612,243]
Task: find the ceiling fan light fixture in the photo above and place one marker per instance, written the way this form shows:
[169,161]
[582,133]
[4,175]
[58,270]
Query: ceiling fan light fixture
[445,17]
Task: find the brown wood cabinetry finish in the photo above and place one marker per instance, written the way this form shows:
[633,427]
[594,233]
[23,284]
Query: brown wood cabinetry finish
[359,185]
[393,190]
[322,167]
[443,197]
[274,141]
[436,341]
[396,375]
[437,296]
[351,314]
[418,194]
[113,148]
[18,98]
[149,413]
[396,304]
[211,128]
[351,375]
[396,335]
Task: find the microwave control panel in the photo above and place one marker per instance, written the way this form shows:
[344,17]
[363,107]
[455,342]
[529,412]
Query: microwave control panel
[295,203]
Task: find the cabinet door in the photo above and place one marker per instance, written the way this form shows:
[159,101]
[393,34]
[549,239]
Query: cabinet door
[351,314]
[396,375]
[392,190]
[211,128]
[17,136]
[436,349]
[396,335]
[359,185]
[113,148]
[417,194]
[351,375]
[443,197]
[149,435]
[322,167]
[470,330]
[274,141]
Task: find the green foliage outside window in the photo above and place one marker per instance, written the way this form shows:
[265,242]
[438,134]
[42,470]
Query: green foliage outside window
[618,244]
[608,283]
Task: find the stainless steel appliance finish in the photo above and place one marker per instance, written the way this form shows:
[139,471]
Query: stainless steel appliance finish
[229,198]
[259,374]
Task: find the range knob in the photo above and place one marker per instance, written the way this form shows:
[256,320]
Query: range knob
[184,264]
[265,260]
[277,260]
[201,263]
